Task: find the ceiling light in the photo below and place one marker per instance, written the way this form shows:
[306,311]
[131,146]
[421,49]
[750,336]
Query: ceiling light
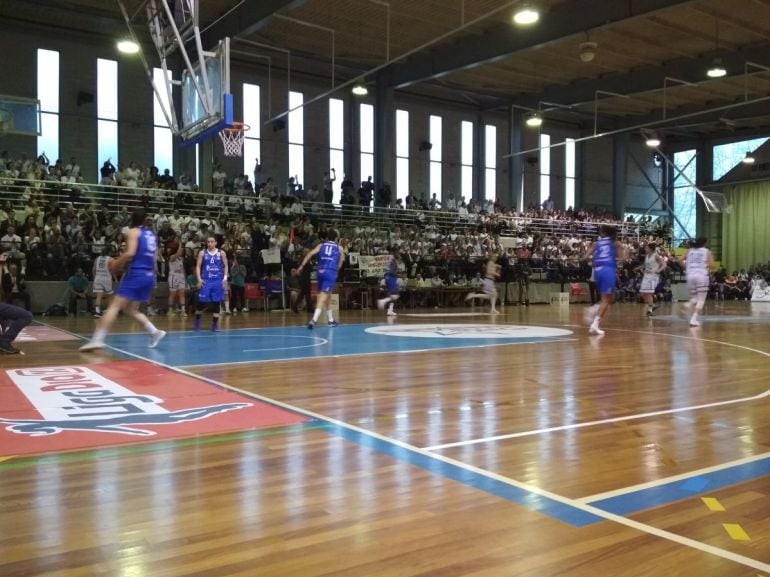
[588,51]
[749,158]
[360,90]
[717,69]
[128,47]
[534,120]
[526,15]
[652,141]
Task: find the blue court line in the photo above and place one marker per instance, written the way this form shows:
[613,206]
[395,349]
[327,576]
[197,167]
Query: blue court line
[683,489]
[563,512]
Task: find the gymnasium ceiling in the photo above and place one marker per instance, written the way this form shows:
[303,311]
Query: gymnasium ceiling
[649,68]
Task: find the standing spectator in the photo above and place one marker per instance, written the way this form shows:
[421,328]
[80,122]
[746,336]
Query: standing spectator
[238,286]
[328,183]
[257,174]
[14,284]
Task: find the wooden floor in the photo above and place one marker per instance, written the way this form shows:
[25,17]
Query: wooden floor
[483,461]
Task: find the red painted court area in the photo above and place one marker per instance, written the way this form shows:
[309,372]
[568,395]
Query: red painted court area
[63,408]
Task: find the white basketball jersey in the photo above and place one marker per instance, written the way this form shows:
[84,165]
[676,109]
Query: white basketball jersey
[101,267]
[698,261]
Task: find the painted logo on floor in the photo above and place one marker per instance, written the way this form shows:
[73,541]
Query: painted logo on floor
[73,406]
[469,331]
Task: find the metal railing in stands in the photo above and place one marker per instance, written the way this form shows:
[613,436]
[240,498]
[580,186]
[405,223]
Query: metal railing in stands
[19,191]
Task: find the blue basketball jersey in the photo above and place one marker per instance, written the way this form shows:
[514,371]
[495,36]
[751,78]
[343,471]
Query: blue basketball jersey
[604,254]
[146,249]
[328,256]
[212,266]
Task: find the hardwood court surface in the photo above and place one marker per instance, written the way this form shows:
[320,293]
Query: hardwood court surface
[640,453]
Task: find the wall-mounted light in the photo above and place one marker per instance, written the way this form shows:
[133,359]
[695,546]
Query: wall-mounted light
[534,120]
[360,90]
[717,69]
[749,158]
[526,15]
[128,46]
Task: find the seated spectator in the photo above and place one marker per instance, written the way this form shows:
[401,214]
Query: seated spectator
[78,286]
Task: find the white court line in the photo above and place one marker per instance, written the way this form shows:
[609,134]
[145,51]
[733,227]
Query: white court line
[600,422]
[627,417]
[650,530]
[673,479]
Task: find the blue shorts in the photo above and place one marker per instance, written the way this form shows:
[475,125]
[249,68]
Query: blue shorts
[211,291]
[391,283]
[326,280]
[606,280]
[137,285]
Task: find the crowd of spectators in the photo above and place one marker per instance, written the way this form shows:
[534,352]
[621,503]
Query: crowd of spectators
[52,223]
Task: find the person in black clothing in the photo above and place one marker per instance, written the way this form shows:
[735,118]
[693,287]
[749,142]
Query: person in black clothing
[12,320]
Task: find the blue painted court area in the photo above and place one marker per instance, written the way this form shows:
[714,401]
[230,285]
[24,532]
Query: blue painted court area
[190,348]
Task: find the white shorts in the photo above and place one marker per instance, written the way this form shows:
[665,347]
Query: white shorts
[103,285]
[698,283]
[176,283]
[489,286]
[649,284]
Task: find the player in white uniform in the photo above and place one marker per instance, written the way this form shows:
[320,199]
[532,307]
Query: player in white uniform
[177,284]
[654,264]
[103,280]
[491,276]
[698,262]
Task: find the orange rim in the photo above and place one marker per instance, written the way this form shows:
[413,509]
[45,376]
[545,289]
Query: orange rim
[237,127]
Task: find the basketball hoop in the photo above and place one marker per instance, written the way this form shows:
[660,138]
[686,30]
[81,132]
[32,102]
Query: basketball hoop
[232,138]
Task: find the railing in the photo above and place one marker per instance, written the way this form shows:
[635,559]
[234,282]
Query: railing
[247,206]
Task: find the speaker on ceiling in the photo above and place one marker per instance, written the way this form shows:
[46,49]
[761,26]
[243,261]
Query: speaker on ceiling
[425,145]
[85,97]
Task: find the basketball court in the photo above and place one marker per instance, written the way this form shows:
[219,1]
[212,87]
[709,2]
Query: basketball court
[514,435]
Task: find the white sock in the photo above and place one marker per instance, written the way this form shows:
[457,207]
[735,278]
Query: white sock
[150,328]
[316,315]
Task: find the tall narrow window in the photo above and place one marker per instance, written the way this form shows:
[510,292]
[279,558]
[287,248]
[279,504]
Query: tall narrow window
[570,171]
[402,154]
[107,112]
[162,138]
[545,167]
[466,161]
[48,94]
[252,138]
[490,162]
[685,197]
[436,154]
[297,137]
[367,141]
[337,135]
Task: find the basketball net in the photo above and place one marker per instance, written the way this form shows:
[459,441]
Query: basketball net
[232,138]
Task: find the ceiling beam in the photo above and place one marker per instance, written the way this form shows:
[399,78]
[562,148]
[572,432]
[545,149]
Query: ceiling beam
[502,40]
[245,19]
[646,79]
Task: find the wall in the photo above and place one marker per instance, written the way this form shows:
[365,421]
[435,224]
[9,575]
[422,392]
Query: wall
[78,126]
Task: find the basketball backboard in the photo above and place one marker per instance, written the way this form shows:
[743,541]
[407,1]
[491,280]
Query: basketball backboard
[19,115]
[207,104]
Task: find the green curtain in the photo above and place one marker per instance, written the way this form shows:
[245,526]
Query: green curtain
[746,229]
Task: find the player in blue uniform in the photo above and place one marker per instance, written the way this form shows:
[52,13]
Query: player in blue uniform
[330,259]
[391,282]
[604,254]
[137,284]
[211,270]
